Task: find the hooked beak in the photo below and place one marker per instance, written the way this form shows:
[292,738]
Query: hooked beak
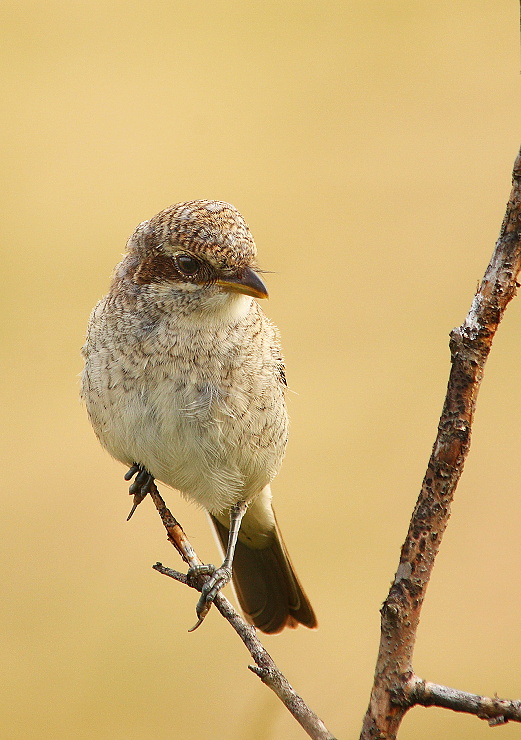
[249,283]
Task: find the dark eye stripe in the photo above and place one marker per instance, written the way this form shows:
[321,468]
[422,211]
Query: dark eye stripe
[158,268]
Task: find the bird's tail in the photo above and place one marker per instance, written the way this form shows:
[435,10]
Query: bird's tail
[268,589]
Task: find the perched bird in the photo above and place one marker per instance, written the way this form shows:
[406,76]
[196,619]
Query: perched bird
[184,383]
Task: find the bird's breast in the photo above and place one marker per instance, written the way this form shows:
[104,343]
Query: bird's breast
[202,412]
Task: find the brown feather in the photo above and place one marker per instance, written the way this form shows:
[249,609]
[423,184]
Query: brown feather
[267,587]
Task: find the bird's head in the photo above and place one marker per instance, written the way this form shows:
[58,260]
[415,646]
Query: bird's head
[195,250]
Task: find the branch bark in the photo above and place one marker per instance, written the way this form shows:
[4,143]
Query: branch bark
[496,711]
[395,687]
[265,667]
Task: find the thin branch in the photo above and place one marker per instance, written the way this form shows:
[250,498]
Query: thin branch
[469,345]
[174,531]
[496,711]
[265,667]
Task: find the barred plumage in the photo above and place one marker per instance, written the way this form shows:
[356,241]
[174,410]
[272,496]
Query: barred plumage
[184,377]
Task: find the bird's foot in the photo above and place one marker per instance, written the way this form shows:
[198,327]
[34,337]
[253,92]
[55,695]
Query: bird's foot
[219,577]
[140,487]
[194,571]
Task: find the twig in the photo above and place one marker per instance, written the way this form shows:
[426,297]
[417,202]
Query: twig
[470,345]
[496,711]
[174,531]
[265,666]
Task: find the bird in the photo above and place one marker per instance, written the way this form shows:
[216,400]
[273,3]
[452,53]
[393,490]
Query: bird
[184,383]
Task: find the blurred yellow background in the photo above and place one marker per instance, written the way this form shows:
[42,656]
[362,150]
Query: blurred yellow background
[369,145]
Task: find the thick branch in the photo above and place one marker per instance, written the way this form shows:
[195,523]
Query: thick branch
[265,666]
[470,345]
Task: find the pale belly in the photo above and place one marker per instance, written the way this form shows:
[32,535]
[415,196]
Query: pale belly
[197,437]
[203,412]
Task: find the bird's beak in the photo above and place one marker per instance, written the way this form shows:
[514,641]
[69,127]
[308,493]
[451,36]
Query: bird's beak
[248,283]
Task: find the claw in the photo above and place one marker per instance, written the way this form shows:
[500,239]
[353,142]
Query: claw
[203,607]
[140,487]
[136,503]
[219,577]
[199,621]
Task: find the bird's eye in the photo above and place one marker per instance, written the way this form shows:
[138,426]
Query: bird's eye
[187,265]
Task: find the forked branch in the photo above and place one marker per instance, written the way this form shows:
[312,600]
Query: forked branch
[265,666]
[396,688]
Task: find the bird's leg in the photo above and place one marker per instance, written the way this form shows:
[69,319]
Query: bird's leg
[222,575]
[140,487]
